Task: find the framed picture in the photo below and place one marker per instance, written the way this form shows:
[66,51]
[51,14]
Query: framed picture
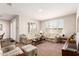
[0,27]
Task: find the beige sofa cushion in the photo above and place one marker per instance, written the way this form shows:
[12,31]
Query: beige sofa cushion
[14,52]
[8,48]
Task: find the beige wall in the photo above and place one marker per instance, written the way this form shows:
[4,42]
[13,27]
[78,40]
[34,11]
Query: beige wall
[69,24]
[5,28]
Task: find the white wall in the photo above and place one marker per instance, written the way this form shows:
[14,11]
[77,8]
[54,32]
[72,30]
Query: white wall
[69,24]
[5,28]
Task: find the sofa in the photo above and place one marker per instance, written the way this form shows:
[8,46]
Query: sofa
[7,42]
[11,51]
[50,36]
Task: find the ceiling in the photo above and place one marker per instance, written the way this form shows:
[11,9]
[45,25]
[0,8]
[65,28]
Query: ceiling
[37,11]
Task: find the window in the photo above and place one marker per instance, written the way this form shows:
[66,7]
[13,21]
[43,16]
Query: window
[55,25]
[31,27]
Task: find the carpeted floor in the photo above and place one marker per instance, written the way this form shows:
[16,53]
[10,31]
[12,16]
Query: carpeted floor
[49,49]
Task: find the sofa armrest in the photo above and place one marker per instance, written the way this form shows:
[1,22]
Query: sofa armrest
[8,48]
[14,52]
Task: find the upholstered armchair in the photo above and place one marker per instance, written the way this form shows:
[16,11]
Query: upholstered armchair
[24,39]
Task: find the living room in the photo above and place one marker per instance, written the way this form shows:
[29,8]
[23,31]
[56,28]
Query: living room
[37,29]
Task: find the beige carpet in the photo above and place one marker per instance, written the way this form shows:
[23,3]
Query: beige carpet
[49,49]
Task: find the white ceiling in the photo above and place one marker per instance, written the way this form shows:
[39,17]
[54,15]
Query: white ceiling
[38,11]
